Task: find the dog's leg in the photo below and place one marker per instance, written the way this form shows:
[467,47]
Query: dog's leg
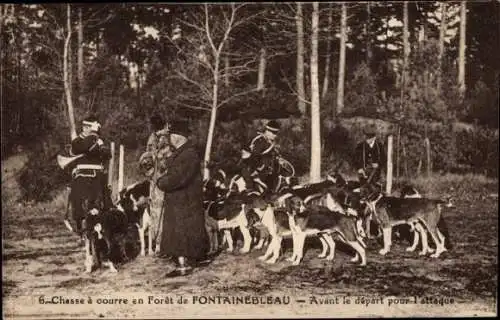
[269,250]
[425,242]
[147,223]
[294,248]
[368,222]
[387,233]
[331,244]
[261,240]
[439,244]
[275,250]
[88,256]
[441,238]
[324,246]
[359,250]
[229,239]
[415,240]
[301,239]
[247,239]
[141,238]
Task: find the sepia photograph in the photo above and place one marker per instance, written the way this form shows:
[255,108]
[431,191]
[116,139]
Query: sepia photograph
[249,160]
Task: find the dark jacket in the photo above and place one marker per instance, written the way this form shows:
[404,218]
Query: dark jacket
[366,155]
[87,145]
[183,232]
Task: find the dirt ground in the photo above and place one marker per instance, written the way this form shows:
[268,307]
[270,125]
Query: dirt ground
[42,262]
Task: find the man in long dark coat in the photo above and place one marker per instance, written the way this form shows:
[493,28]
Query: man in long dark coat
[184,235]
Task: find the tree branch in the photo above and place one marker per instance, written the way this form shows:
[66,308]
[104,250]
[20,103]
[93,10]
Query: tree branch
[235,96]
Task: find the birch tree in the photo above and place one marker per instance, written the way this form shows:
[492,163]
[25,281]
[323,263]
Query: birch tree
[299,19]
[326,78]
[461,52]
[315,173]
[406,53]
[67,74]
[342,58]
[442,34]
[200,62]
[80,56]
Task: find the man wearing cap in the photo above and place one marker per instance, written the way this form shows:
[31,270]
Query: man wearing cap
[184,235]
[369,156]
[89,181]
[262,151]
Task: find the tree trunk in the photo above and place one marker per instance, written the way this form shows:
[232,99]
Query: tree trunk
[67,75]
[369,53]
[315,174]
[461,55]
[406,54]
[262,69]
[326,79]
[80,56]
[213,117]
[300,60]
[442,34]
[343,40]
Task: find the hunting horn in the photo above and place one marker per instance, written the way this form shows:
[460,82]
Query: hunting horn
[63,161]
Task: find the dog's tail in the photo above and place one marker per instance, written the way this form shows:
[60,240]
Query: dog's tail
[444,229]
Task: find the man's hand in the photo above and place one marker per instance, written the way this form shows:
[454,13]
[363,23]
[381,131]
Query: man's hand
[375,165]
[100,142]
[361,172]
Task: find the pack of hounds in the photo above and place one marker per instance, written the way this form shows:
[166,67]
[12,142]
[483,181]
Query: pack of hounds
[332,210]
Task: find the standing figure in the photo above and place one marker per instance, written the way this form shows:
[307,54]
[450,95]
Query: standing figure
[261,155]
[152,163]
[89,179]
[370,156]
[184,235]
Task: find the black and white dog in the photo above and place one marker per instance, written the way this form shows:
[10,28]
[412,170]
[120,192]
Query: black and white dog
[134,201]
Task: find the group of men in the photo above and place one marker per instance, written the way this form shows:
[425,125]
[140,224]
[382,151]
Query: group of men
[183,234]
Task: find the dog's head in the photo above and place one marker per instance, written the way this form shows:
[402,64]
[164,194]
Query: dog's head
[135,196]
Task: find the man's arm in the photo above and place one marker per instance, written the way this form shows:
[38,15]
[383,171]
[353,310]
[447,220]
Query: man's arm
[81,145]
[181,172]
[358,157]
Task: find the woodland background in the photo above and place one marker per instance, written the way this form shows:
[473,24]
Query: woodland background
[226,67]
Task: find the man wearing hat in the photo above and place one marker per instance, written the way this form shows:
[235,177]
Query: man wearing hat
[262,151]
[369,156]
[89,181]
[184,235]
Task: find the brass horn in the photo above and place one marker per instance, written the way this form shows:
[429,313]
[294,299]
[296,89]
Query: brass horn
[63,161]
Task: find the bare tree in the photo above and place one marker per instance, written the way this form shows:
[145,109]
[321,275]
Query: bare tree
[80,55]
[315,173]
[367,31]
[200,62]
[326,78]
[442,34]
[343,40]
[406,53]
[262,69]
[67,75]
[461,52]
[299,19]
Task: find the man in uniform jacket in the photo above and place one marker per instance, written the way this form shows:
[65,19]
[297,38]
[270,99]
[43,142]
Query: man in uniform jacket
[370,156]
[183,234]
[89,181]
[259,156]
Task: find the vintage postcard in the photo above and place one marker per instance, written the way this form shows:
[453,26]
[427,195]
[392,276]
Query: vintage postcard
[249,160]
